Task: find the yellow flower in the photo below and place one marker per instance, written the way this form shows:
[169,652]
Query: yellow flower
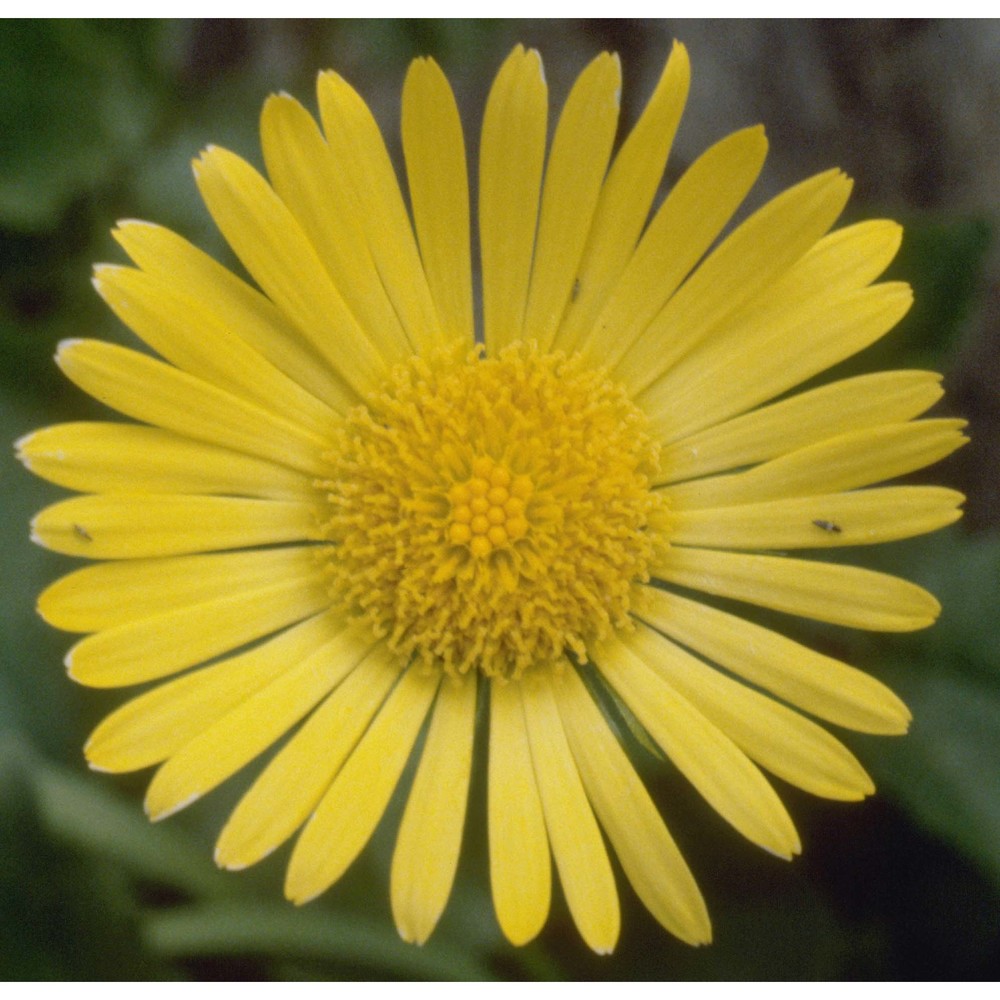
[341,517]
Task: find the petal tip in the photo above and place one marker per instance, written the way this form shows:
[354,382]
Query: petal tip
[157,813]
[20,445]
[227,863]
[533,55]
[123,224]
[299,897]
[205,159]
[64,347]
[273,103]
[102,275]
[410,935]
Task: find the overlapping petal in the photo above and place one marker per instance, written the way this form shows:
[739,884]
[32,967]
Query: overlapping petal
[626,198]
[430,834]
[156,393]
[302,771]
[360,154]
[119,458]
[639,836]
[232,303]
[520,869]
[577,162]
[251,726]
[438,180]
[580,856]
[819,684]
[156,724]
[279,255]
[511,158]
[706,756]
[347,814]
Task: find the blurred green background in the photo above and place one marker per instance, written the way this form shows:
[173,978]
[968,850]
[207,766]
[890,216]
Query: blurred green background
[100,119]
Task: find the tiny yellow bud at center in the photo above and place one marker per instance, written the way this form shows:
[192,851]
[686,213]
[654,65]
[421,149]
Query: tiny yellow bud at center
[488,489]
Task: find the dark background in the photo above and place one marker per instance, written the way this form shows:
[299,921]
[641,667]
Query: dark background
[99,120]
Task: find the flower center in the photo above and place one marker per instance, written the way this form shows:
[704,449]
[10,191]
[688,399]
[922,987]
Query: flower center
[491,513]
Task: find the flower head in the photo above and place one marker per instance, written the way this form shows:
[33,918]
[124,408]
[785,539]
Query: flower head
[343,518]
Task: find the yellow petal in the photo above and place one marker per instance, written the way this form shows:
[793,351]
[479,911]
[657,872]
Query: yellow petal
[716,767]
[845,462]
[439,193]
[272,246]
[819,684]
[626,197]
[582,861]
[108,458]
[511,155]
[251,727]
[848,405]
[520,870]
[359,152]
[644,847]
[110,594]
[154,726]
[863,518]
[292,784]
[581,148]
[184,636]
[156,393]
[783,353]
[784,742]
[430,835]
[305,177]
[131,526]
[190,337]
[348,813]
[850,257]
[684,227]
[815,314]
[843,595]
[753,255]
[232,302]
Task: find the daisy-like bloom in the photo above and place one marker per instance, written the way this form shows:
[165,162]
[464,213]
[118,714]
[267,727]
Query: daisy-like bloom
[343,522]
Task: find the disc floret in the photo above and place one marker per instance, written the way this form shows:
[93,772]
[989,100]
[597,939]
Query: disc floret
[488,509]
[492,513]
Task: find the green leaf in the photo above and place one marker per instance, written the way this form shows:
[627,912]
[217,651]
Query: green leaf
[79,811]
[963,572]
[73,109]
[945,771]
[943,259]
[67,915]
[279,930]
